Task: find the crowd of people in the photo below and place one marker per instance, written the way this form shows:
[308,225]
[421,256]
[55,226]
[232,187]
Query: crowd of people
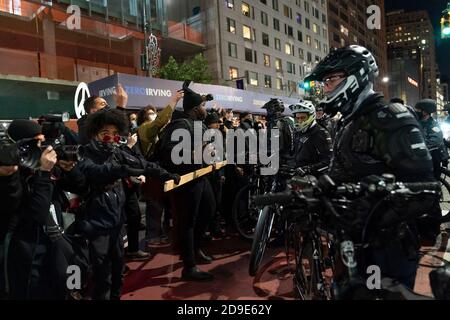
[126,158]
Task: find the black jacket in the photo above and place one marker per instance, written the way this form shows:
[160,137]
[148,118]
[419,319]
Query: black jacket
[312,149]
[38,259]
[104,173]
[82,130]
[104,204]
[377,139]
[165,146]
[10,199]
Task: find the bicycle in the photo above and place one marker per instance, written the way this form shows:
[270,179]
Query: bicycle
[325,204]
[245,216]
[270,223]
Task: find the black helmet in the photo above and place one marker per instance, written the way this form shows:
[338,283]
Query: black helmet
[360,68]
[273,106]
[427,105]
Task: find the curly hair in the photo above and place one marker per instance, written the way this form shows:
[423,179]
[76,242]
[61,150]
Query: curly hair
[102,118]
[142,114]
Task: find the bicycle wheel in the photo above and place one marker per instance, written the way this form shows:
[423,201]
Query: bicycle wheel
[260,239]
[444,179]
[244,216]
[309,282]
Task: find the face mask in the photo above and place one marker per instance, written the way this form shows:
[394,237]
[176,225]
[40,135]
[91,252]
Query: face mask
[134,123]
[152,117]
[106,147]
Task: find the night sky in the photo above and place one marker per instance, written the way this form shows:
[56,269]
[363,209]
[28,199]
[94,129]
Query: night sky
[434,8]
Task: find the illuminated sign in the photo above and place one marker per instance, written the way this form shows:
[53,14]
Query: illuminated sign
[413,82]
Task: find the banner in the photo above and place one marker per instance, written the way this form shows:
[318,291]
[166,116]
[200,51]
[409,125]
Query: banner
[143,91]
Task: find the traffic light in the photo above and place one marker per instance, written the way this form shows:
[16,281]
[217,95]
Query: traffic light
[308,85]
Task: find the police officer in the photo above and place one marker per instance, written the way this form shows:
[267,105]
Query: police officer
[434,138]
[372,138]
[312,143]
[285,125]
[325,120]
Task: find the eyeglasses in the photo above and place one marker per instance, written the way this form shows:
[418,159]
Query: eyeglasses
[334,78]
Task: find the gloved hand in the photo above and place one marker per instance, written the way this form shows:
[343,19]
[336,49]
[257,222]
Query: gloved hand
[171,176]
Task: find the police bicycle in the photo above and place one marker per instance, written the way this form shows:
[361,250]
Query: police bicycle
[332,233]
[244,215]
[270,223]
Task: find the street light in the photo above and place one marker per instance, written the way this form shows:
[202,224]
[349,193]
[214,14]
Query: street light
[385,79]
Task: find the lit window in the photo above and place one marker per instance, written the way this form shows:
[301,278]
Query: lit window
[245,9]
[267,60]
[288,49]
[279,84]
[247,32]
[252,78]
[278,65]
[315,28]
[233,73]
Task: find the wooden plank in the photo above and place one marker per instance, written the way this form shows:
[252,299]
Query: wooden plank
[170,185]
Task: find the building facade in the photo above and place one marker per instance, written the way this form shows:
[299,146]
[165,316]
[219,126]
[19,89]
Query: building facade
[404,70]
[347,20]
[270,44]
[48,47]
[412,32]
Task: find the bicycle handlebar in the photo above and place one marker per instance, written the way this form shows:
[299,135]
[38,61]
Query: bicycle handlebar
[423,186]
[288,197]
[282,198]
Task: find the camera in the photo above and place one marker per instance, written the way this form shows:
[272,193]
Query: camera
[25,153]
[52,129]
[63,151]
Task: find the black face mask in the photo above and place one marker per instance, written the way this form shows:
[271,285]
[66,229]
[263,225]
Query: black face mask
[105,147]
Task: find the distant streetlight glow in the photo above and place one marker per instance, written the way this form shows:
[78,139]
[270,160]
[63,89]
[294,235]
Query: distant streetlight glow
[385,79]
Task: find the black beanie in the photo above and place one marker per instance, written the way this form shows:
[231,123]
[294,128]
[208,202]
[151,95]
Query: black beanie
[23,129]
[212,118]
[191,99]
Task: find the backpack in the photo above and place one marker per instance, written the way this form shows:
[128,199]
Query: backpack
[154,152]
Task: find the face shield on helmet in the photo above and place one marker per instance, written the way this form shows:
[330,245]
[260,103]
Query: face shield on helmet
[359,68]
[306,111]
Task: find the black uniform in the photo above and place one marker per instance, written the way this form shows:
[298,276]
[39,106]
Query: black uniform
[377,139]
[434,140]
[286,135]
[312,149]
